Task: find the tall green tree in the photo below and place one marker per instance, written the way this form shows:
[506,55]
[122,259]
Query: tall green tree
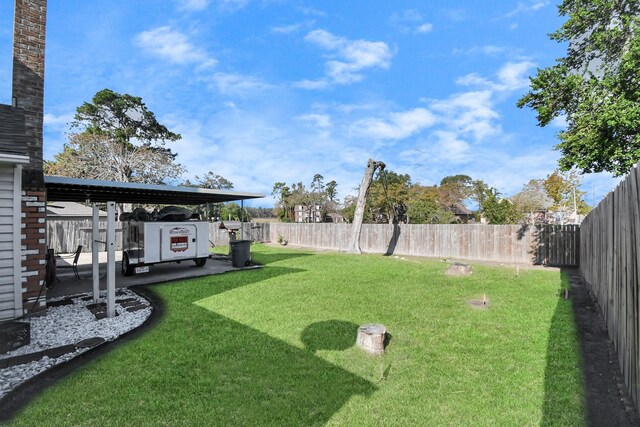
[332,190]
[455,189]
[563,188]
[233,212]
[123,118]
[94,156]
[531,198]
[497,209]
[425,206]
[596,86]
[316,200]
[349,208]
[388,196]
[283,208]
[212,181]
[116,137]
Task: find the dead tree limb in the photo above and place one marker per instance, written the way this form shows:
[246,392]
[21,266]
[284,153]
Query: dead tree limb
[358,217]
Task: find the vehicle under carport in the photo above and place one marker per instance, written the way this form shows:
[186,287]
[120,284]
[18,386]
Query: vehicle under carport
[63,189]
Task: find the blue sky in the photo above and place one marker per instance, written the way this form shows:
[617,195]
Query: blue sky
[279,90]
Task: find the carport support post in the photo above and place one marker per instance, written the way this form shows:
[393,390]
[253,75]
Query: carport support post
[95,262]
[241,219]
[111,259]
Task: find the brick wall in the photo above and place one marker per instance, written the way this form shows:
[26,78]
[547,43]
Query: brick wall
[28,95]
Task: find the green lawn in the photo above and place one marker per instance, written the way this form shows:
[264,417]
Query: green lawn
[275,346]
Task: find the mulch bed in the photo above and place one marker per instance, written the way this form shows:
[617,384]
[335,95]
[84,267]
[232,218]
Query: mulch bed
[17,399]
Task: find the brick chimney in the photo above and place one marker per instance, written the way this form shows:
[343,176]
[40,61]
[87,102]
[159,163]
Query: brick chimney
[28,95]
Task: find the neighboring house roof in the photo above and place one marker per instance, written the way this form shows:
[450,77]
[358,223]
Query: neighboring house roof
[460,209]
[13,137]
[67,209]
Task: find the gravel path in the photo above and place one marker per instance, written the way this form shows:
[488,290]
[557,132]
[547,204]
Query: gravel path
[68,324]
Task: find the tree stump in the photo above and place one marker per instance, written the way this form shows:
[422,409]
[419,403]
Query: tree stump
[371,338]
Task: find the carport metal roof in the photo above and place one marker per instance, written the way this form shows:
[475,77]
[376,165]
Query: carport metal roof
[62,189]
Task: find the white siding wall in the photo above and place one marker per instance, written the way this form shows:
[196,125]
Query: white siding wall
[7,271]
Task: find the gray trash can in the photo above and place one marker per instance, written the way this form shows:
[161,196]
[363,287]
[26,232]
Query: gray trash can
[240,253]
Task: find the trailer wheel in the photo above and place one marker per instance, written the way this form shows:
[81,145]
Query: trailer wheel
[127,268]
[200,262]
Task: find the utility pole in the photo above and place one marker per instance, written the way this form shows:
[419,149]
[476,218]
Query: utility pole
[575,206]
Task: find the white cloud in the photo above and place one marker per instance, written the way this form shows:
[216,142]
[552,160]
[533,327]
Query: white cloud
[411,21]
[286,29]
[474,79]
[469,113]
[348,59]
[312,84]
[173,46]
[321,121]
[235,84]
[490,50]
[512,76]
[441,147]
[526,8]
[193,5]
[310,11]
[424,28]
[292,28]
[395,126]
[57,123]
[55,130]
[452,147]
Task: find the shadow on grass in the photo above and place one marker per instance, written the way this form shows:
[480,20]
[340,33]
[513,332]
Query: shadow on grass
[605,400]
[329,335]
[269,258]
[256,379]
[563,385]
[395,236]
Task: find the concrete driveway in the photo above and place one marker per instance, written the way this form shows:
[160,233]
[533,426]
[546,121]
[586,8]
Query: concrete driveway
[68,284]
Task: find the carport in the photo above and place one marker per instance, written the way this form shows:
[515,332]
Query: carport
[62,189]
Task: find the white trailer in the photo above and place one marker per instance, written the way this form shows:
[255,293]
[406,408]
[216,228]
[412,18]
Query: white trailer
[152,242]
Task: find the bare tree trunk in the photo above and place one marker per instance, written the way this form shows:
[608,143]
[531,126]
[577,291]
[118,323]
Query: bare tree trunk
[356,227]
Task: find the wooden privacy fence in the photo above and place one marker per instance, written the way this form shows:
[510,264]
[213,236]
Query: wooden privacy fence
[610,264]
[64,236]
[558,245]
[524,244]
[250,231]
[542,245]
